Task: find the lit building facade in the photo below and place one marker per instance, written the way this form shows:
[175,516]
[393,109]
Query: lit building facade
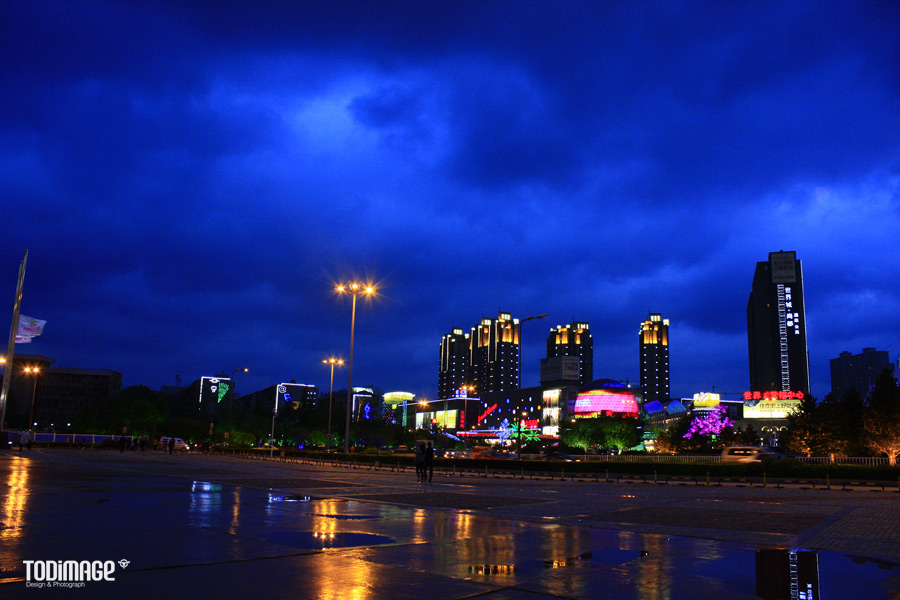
[455,370]
[654,350]
[858,371]
[776,327]
[574,340]
[495,351]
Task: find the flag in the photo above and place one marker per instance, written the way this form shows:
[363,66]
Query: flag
[28,328]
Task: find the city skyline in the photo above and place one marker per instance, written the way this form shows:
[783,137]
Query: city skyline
[191,181]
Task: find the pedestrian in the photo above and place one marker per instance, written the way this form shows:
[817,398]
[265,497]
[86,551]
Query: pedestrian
[429,463]
[171,445]
[143,443]
[420,462]
[122,443]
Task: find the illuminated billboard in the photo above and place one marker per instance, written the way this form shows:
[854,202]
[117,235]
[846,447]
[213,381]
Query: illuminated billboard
[771,409]
[215,388]
[614,399]
[706,400]
[292,393]
[398,398]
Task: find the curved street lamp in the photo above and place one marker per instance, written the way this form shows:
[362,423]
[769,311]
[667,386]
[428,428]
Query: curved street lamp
[339,362]
[355,289]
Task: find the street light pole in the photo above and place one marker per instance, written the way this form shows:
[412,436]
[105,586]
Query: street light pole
[355,289]
[34,372]
[540,316]
[231,405]
[331,361]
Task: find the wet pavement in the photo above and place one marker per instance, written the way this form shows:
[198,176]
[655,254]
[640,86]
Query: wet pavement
[205,526]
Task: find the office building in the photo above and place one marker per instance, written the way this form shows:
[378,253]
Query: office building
[858,371]
[654,355]
[455,369]
[494,345]
[776,326]
[56,393]
[574,340]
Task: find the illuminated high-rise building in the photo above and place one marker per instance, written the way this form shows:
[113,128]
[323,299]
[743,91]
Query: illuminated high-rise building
[776,326]
[494,346]
[574,340]
[455,370]
[654,343]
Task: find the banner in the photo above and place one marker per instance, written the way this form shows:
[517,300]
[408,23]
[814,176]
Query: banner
[28,328]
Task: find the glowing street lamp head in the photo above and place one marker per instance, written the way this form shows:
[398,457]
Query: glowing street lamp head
[355,288]
[334,361]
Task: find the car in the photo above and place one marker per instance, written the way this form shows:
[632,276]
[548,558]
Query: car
[746,454]
[180,444]
[555,455]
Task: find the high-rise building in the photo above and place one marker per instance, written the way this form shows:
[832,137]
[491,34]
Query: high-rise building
[455,370]
[776,326]
[654,346]
[858,371]
[495,351]
[574,340]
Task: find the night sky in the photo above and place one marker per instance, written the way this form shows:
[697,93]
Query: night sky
[192,179]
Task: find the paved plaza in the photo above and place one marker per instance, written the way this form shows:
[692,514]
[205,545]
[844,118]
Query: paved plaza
[210,526]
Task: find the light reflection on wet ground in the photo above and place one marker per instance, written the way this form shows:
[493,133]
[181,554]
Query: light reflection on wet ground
[206,536]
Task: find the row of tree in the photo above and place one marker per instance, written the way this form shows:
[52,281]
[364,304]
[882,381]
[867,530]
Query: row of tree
[850,425]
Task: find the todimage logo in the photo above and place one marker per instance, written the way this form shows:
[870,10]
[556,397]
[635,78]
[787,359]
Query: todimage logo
[69,573]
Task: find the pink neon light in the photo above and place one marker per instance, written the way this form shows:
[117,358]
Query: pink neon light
[602,401]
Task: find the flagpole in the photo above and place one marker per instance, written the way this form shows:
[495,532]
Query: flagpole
[11,346]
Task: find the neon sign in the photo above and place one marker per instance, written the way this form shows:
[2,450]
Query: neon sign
[774,395]
[490,409]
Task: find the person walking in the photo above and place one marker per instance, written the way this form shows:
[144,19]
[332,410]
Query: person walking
[171,445]
[420,462]
[428,468]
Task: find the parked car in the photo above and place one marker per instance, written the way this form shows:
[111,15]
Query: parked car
[180,444]
[746,454]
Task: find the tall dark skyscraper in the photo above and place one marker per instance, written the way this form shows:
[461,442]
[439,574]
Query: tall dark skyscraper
[574,340]
[858,371]
[455,363]
[654,343]
[495,354]
[776,326]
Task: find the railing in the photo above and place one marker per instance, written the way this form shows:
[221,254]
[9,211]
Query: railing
[870,461]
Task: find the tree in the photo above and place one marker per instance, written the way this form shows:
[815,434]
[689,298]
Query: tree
[584,434]
[881,422]
[620,433]
[706,427]
[803,428]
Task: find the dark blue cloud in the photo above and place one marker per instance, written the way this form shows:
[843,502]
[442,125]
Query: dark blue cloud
[192,179]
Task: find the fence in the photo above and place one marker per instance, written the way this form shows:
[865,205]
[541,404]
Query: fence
[870,461]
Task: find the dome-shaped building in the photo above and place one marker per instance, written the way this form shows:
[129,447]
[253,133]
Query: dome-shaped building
[606,397]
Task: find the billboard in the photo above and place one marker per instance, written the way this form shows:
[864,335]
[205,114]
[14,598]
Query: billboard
[706,400]
[215,389]
[783,266]
[606,402]
[292,394]
[561,368]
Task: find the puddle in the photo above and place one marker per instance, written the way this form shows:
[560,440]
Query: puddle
[350,517]
[318,540]
[492,569]
[290,498]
